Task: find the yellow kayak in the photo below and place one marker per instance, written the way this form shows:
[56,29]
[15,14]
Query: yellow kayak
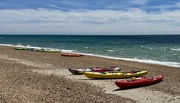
[113,75]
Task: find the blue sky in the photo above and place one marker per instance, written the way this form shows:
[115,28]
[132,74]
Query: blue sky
[90,17]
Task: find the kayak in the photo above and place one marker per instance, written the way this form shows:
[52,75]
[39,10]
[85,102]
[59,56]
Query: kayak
[49,50]
[71,55]
[114,75]
[96,69]
[138,82]
[21,48]
[45,50]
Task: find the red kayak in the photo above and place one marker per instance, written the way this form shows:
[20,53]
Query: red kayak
[138,82]
[72,55]
[96,69]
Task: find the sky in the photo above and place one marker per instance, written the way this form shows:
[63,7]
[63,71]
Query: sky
[90,17]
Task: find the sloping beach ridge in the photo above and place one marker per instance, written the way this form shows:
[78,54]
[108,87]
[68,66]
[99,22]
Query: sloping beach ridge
[34,77]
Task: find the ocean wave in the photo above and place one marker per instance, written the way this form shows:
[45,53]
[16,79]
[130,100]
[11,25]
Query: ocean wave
[144,47]
[178,49]
[110,50]
[68,51]
[6,45]
[28,46]
[170,64]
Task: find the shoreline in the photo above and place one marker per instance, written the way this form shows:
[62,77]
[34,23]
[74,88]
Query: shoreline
[54,64]
[169,64]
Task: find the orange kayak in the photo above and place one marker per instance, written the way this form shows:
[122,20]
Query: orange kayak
[71,55]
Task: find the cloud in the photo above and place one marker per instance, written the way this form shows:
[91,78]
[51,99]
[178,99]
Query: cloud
[74,4]
[88,21]
[54,6]
[172,7]
[178,4]
[139,2]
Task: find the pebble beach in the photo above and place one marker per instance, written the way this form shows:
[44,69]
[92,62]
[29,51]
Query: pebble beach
[39,77]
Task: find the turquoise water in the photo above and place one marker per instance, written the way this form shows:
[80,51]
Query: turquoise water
[156,49]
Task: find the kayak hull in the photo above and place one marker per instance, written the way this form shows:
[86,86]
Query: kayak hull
[96,69]
[114,75]
[71,55]
[143,81]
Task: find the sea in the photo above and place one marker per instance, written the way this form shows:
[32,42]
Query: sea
[153,49]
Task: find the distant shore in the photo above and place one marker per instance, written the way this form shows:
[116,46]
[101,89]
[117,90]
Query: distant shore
[43,77]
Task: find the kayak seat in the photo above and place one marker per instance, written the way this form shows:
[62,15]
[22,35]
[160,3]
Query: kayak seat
[102,72]
[130,80]
[150,79]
